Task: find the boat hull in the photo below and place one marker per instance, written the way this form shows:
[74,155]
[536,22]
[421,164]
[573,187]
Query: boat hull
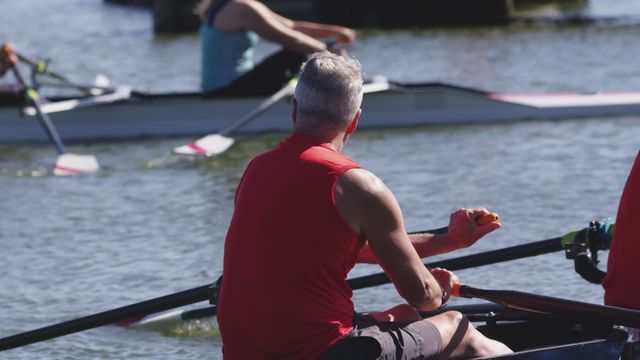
[170,115]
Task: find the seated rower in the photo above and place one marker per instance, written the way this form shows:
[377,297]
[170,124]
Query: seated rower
[622,283]
[229,32]
[304,215]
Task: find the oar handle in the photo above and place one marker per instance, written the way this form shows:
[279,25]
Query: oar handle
[487,218]
[456,289]
[571,309]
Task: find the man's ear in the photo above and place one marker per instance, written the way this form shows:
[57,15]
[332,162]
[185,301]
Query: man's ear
[354,123]
[294,110]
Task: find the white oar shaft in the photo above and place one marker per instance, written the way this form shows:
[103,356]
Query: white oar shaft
[215,144]
[264,106]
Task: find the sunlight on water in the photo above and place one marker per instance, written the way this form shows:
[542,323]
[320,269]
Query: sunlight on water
[197,328]
[204,327]
[33,173]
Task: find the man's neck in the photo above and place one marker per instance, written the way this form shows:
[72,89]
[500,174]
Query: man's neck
[335,140]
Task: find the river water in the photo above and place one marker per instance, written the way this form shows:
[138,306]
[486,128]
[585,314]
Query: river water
[143,228]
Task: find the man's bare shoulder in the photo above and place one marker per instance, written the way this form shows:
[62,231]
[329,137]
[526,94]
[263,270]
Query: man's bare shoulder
[361,184]
[361,197]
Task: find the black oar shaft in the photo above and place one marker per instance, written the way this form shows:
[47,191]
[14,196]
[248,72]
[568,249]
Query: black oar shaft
[188,297]
[465,262]
[44,120]
[561,307]
[163,303]
[36,64]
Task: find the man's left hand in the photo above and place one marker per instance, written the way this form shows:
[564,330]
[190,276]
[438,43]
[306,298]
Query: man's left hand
[463,229]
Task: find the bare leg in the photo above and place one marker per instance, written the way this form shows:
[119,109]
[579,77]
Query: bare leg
[402,312]
[460,340]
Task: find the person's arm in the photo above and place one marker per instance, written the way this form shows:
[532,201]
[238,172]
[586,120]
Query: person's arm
[255,16]
[463,232]
[369,207]
[8,58]
[341,34]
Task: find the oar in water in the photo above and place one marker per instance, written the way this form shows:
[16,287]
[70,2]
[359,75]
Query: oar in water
[67,164]
[202,293]
[122,314]
[158,304]
[575,310]
[216,144]
[459,263]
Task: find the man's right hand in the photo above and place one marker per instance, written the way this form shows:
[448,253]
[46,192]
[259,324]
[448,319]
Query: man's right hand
[446,279]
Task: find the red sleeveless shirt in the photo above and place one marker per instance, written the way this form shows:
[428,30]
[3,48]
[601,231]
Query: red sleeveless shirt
[622,283]
[287,255]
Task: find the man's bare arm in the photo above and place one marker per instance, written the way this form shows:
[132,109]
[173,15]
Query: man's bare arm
[463,232]
[370,208]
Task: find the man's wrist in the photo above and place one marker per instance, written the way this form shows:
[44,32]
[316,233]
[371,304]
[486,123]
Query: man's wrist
[444,295]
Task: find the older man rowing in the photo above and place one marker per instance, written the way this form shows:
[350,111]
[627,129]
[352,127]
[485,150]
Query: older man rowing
[304,215]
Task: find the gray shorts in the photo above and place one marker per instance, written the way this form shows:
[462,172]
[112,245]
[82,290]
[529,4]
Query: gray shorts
[387,340]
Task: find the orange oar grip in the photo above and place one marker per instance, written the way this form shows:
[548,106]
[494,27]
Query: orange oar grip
[455,289]
[487,218]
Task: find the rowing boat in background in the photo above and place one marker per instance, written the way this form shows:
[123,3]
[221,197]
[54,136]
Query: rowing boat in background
[126,114]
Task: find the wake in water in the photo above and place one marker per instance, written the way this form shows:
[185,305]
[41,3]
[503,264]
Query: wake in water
[202,327]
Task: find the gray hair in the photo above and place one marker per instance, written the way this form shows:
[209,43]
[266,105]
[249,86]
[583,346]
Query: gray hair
[329,90]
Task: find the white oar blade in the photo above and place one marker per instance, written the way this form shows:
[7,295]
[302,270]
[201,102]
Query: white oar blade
[72,164]
[102,80]
[209,145]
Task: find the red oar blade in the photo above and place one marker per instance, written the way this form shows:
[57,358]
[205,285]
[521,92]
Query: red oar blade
[207,146]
